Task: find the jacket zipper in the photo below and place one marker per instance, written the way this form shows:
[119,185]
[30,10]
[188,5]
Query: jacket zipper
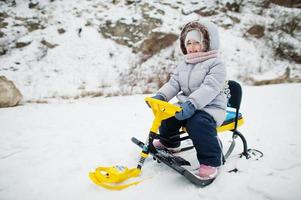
[188,80]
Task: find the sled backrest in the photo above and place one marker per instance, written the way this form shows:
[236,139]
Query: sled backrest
[235,98]
[235,94]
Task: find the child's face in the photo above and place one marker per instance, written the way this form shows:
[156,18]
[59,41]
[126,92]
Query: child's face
[193,46]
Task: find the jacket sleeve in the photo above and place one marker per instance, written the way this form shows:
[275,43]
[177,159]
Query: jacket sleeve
[172,87]
[212,85]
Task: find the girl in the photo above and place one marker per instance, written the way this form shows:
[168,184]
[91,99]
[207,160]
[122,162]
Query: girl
[198,83]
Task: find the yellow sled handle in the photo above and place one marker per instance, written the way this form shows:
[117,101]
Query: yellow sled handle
[162,110]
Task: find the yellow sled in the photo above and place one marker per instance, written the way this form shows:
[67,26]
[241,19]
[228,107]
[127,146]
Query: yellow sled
[116,177]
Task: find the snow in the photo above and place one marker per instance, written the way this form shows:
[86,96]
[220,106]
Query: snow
[47,150]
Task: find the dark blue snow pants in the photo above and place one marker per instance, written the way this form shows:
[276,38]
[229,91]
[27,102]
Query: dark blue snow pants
[201,128]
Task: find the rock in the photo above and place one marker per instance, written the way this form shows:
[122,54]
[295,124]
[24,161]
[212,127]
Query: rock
[33,24]
[1,34]
[156,42]
[3,24]
[3,50]
[3,15]
[115,2]
[22,44]
[130,31]
[140,35]
[129,2]
[48,44]
[32,5]
[235,7]
[287,3]
[9,94]
[61,30]
[127,35]
[297,58]
[257,31]
[205,12]
[234,19]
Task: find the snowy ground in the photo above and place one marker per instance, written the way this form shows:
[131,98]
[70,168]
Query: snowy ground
[47,150]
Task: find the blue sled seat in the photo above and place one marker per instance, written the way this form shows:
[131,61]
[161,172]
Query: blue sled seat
[229,123]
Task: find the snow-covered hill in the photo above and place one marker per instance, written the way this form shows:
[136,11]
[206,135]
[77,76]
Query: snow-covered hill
[47,150]
[72,49]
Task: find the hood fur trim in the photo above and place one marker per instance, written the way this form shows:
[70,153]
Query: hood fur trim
[209,31]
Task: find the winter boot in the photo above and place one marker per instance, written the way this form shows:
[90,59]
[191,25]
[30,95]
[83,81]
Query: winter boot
[158,145]
[207,172]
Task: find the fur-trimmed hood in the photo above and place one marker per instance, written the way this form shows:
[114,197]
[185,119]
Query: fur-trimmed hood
[209,31]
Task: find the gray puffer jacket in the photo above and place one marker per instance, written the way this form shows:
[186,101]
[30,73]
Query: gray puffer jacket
[201,83]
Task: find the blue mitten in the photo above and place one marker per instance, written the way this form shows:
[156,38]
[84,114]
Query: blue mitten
[159,97]
[187,111]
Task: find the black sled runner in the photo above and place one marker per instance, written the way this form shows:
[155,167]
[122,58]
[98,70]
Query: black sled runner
[175,162]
